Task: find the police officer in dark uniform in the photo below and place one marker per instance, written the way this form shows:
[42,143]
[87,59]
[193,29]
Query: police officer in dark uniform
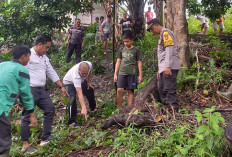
[168,63]
[75,41]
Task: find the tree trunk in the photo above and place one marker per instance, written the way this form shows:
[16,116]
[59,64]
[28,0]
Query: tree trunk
[177,22]
[142,100]
[136,8]
[157,8]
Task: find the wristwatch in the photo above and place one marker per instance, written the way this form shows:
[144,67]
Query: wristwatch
[62,86]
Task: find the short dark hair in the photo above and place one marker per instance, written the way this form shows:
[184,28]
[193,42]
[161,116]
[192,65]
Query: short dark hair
[127,36]
[97,18]
[43,39]
[20,50]
[109,16]
[77,19]
[102,17]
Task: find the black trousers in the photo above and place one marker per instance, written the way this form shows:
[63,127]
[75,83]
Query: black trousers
[89,93]
[5,135]
[167,88]
[78,50]
[43,101]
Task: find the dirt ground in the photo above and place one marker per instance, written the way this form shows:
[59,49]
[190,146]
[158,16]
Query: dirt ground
[194,99]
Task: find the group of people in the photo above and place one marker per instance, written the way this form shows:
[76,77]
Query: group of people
[205,24]
[25,77]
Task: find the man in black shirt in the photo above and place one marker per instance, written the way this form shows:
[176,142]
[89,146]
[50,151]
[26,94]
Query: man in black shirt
[126,24]
[76,38]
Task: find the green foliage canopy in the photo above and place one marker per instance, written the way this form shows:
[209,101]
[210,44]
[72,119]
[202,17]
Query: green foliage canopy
[21,21]
[210,8]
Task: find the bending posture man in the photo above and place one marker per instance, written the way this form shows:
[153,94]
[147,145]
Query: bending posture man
[168,63]
[14,78]
[204,24]
[76,37]
[77,82]
[39,66]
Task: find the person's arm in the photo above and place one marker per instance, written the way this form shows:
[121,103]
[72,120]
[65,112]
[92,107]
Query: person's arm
[26,96]
[117,66]
[132,23]
[102,26]
[140,67]
[83,38]
[146,17]
[83,41]
[62,88]
[89,80]
[69,37]
[54,76]
[169,50]
[82,102]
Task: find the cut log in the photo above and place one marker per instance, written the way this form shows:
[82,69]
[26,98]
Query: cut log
[126,114]
[228,135]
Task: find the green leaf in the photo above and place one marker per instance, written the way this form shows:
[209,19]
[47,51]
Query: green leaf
[65,101]
[199,119]
[221,119]
[197,113]
[200,137]
[210,142]
[203,128]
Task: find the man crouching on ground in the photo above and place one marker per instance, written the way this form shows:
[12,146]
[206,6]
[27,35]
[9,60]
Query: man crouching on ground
[77,82]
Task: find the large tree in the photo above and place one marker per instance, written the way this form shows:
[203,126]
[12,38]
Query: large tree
[177,22]
[21,21]
[136,9]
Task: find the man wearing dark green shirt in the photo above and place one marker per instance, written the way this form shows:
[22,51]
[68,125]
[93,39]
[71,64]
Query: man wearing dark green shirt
[14,77]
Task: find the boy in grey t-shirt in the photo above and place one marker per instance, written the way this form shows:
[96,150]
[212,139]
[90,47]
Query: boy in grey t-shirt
[106,29]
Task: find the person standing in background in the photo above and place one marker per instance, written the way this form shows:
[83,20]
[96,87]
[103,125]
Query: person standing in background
[204,24]
[219,22]
[106,29]
[75,41]
[126,24]
[98,30]
[148,15]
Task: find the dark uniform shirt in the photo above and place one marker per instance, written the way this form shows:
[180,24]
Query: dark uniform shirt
[76,35]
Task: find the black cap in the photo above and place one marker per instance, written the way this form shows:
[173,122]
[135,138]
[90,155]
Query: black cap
[151,23]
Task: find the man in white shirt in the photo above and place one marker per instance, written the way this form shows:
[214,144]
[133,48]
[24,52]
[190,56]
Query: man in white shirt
[39,66]
[77,82]
[204,23]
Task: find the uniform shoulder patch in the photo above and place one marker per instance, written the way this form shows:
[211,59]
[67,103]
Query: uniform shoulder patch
[168,41]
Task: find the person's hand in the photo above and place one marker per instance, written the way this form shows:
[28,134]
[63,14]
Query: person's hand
[140,79]
[84,112]
[167,71]
[83,44]
[64,92]
[158,75]
[90,86]
[33,120]
[115,78]
[66,44]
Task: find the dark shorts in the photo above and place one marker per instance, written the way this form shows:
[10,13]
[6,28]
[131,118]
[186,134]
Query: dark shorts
[127,82]
[106,36]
